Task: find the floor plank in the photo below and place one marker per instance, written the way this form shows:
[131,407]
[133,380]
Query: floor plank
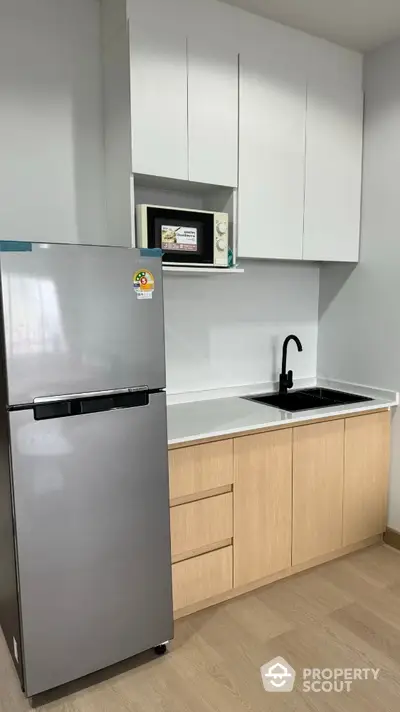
[343,614]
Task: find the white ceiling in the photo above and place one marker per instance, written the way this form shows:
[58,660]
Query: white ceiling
[358,24]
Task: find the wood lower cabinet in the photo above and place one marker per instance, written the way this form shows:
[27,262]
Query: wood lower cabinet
[202,577]
[200,468]
[366,458]
[201,524]
[265,505]
[262,505]
[317,489]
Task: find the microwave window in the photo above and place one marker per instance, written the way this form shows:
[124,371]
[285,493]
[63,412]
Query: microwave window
[183,236]
[176,238]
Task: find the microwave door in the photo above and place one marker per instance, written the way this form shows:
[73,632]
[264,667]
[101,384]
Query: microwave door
[184,236]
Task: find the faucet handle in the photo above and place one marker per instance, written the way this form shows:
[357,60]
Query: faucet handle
[289,381]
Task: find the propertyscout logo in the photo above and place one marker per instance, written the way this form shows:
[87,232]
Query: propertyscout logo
[279,676]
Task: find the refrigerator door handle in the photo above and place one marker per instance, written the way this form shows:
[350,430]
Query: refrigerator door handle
[88,394]
[91,404]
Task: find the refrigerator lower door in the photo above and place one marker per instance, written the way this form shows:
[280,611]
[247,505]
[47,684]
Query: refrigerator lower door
[92,527]
[81,319]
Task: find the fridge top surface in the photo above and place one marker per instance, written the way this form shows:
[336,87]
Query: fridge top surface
[79,319]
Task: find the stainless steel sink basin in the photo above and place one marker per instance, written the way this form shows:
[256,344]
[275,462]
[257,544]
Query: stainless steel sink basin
[307,399]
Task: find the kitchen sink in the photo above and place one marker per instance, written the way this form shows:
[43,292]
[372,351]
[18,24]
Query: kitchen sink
[307,399]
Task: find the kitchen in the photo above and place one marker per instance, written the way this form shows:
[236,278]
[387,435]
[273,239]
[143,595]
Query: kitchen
[123,119]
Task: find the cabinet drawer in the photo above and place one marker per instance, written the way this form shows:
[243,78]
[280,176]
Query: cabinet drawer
[200,578]
[199,524]
[196,469]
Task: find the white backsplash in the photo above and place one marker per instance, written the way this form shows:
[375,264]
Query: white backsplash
[227,330]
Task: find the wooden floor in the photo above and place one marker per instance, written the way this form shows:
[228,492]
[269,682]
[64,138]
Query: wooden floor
[343,614]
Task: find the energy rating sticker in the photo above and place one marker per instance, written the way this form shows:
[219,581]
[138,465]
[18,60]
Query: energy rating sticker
[143,284]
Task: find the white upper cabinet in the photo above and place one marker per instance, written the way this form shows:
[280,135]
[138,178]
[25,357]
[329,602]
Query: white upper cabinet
[159,100]
[213,87]
[223,98]
[271,156]
[300,151]
[333,170]
[184,105]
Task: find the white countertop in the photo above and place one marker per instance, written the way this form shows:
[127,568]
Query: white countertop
[205,419]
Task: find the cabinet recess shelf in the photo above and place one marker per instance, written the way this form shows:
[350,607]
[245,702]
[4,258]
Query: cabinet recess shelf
[203,270]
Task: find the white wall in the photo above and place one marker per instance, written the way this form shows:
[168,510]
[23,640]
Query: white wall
[228,330]
[117,123]
[359,338]
[51,136]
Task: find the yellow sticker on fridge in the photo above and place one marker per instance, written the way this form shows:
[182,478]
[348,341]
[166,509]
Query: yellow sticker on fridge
[143,284]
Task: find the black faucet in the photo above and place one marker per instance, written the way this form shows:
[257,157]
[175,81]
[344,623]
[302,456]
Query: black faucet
[286,379]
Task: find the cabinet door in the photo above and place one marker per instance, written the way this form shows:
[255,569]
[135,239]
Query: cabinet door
[262,505]
[213,88]
[333,171]
[271,158]
[159,100]
[366,469]
[317,489]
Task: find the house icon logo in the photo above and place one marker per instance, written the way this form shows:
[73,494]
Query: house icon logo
[278,676]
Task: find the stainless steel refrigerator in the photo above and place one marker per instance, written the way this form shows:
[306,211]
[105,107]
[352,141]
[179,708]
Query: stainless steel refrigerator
[85,561]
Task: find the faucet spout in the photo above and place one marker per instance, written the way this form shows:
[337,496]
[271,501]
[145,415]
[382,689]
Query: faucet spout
[286,379]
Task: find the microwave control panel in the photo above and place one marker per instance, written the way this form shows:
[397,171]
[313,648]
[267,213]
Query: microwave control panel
[221,240]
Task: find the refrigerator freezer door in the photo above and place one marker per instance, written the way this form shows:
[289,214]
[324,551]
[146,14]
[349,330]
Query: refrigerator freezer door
[92,526]
[75,320]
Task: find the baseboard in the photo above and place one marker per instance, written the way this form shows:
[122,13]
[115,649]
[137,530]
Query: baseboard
[391,537]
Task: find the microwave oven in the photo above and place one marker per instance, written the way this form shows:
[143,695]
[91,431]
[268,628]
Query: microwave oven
[186,237]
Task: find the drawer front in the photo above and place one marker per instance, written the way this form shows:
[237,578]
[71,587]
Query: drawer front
[200,578]
[201,523]
[196,469]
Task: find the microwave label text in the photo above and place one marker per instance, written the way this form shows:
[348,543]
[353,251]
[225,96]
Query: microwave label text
[178,239]
[143,284]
